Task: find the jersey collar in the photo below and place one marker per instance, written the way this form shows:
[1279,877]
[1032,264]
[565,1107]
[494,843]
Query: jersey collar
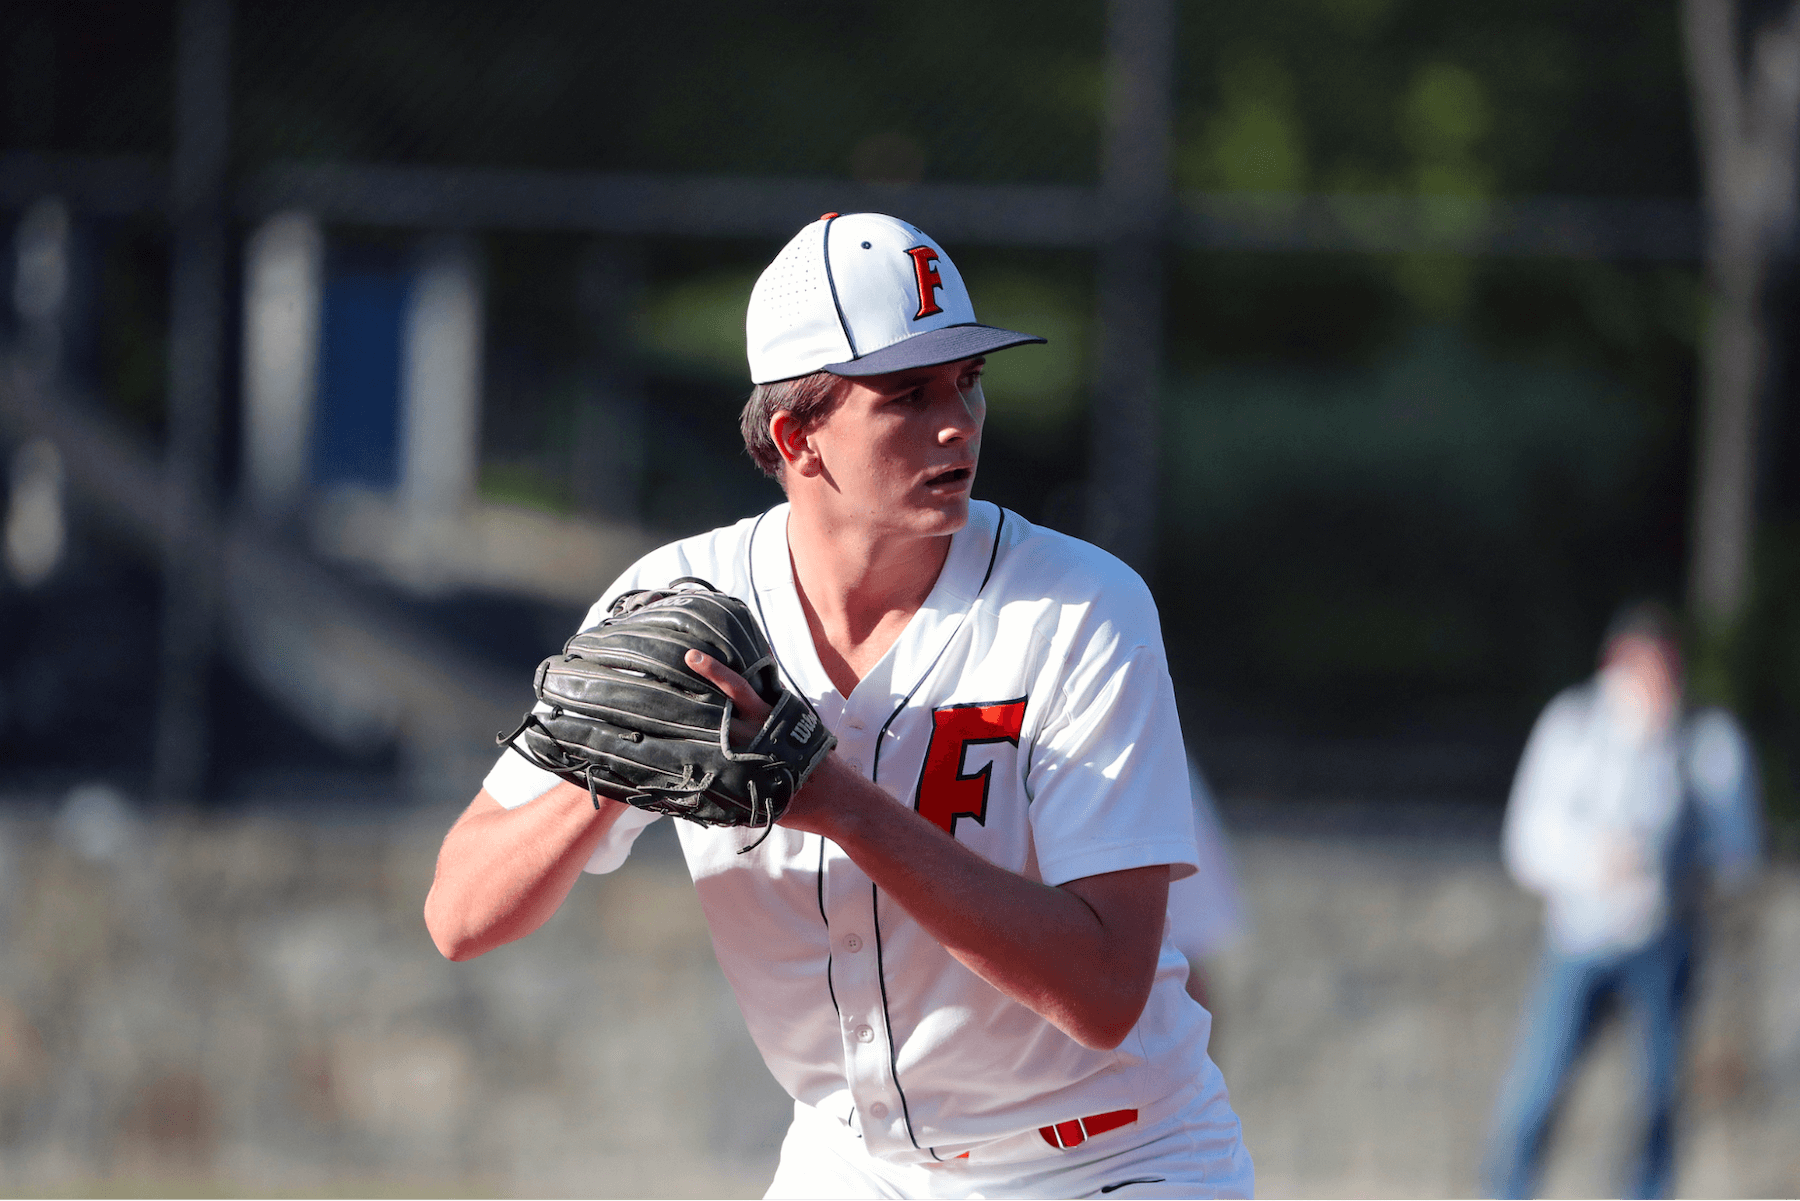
[919,645]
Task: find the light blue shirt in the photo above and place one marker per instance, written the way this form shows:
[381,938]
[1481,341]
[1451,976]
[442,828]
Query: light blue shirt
[1607,816]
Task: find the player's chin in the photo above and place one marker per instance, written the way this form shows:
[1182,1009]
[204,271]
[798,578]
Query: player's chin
[939,513]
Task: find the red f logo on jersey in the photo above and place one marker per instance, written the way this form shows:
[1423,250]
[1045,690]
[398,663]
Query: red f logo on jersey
[945,791]
[929,280]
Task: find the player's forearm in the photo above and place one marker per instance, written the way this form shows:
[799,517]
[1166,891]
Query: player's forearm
[1048,948]
[503,872]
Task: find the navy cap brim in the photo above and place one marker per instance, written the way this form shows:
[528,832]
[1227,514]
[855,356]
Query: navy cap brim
[950,344]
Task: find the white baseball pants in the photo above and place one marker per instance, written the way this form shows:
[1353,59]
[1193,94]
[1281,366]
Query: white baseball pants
[1181,1147]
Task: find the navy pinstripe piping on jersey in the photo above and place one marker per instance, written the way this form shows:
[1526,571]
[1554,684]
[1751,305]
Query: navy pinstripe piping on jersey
[893,1048]
[831,282]
[993,557]
[874,892]
[750,565]
[874,776]
[1113,1188]
[821,885]
[994,554]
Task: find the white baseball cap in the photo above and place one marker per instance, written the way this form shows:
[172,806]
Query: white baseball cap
[863,294]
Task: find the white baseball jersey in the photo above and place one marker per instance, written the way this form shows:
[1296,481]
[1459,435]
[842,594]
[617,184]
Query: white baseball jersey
[1027,710]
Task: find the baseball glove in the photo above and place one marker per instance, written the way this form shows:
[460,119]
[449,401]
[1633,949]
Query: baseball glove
[625,717]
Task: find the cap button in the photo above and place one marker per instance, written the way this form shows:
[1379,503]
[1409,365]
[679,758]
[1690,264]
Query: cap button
[828,216]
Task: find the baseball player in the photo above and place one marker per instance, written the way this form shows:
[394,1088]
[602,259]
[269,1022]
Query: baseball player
[951,950]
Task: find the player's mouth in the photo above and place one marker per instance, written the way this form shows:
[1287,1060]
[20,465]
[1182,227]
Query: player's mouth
[951,480]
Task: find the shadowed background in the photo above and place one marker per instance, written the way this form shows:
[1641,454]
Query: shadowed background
[351,349]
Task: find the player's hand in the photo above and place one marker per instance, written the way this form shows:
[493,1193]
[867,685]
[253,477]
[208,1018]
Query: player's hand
[748,710]
[1624,861]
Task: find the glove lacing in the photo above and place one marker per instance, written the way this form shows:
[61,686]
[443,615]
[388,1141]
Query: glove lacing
[762,809]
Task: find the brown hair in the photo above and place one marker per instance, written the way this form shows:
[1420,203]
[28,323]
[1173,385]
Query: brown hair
[1643,619]
[810,398]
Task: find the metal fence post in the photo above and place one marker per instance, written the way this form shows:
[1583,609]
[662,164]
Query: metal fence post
[284,286]
[607,457]
[1136,199]
[440,393]
[196,333]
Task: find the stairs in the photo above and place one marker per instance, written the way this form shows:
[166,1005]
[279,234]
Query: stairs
[352,669]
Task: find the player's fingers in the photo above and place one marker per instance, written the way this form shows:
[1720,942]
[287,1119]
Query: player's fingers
[743,697]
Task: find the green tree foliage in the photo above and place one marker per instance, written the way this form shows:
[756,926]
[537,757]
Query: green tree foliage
[1403,489]
[1477,98]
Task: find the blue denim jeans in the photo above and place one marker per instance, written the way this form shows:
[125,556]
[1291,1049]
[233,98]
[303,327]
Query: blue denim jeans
[1560,1020]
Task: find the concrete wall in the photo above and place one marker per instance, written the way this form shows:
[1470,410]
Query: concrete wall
[1365,1021]
[251,1005]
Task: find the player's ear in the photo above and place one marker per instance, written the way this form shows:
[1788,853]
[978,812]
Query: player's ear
[795,444]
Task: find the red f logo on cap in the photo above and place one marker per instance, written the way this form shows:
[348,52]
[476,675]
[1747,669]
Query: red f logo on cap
[929,280]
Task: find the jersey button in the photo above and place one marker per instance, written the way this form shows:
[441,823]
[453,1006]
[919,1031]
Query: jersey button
[865,1035]
[855,723]
[852,943]
[878,1111]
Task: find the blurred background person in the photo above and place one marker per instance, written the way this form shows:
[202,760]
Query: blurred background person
[1206,910]
[1625,806]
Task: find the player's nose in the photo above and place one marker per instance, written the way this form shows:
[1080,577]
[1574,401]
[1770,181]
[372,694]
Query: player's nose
[961,414]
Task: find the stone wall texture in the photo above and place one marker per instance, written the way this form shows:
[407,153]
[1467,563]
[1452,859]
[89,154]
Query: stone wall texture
[250,1005]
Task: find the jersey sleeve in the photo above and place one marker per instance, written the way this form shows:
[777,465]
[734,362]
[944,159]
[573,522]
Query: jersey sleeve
[1547,843]
[1108,774]
[514,780]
